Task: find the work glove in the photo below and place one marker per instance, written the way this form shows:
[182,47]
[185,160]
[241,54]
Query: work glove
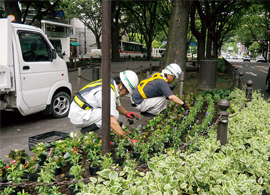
[132,115]
[185,106]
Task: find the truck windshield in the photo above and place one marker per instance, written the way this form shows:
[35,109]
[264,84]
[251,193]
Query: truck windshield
[33,47]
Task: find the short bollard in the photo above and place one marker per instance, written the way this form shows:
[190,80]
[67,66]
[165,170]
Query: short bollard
[223,124]
[240,80]
[79,77]
[249,90]
[95,74]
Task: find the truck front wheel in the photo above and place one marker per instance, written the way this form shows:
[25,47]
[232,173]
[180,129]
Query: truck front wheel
[60,105]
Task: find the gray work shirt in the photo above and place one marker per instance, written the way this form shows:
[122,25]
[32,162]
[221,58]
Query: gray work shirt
[155,88]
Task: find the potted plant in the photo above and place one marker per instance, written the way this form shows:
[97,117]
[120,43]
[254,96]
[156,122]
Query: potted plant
[18,155]
[76,170]
[137,148]
[144,156]
[40,150]
[120,153]
[32,167]
[94,157]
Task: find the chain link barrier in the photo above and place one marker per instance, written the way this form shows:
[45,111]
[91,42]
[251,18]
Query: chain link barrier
[200,135]
[242,105]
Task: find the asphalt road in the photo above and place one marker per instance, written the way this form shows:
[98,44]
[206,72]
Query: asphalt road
[254,71]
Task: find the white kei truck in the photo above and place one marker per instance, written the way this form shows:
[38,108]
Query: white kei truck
[33,78]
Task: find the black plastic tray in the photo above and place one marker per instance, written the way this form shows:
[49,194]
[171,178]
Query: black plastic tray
[46,138]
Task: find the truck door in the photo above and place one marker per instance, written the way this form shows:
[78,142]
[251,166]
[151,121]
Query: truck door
[38,72]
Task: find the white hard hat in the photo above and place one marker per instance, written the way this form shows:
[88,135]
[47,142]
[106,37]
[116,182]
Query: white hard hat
[129,79]
[174,69]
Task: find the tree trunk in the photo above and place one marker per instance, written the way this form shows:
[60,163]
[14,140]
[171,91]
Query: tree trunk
[116,7]
[98,41]
[209,42]
[115,43]
[201,48]
[12,8]
[176,50]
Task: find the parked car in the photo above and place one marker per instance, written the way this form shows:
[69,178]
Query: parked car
[235,57]
[227,57]
[260,59]
[246,58]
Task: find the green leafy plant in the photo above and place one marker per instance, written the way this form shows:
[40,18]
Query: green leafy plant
[46,174]
[19,155]
[76,170]
[94,157]
[120,151]
[16,171]
[40,149]
[107,162]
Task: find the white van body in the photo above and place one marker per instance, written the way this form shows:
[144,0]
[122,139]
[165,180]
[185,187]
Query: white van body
[33,77]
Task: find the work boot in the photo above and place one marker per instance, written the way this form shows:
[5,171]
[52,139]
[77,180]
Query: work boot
[92,127]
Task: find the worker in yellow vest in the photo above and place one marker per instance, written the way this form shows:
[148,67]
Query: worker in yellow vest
[151,95]
[86,110]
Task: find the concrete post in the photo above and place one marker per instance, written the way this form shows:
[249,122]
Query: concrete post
[95,73]
[223,104]
[208,74]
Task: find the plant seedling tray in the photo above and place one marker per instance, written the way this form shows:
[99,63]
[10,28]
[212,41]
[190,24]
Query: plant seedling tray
[46,138]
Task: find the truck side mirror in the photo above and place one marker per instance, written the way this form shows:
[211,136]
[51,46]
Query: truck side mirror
[53,56]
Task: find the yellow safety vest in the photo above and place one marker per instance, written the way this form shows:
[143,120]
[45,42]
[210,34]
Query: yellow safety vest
[81,101]
[145,81]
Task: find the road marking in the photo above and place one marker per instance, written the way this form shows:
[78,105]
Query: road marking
[263,71]
[252,67]
[251,73]
[240,66]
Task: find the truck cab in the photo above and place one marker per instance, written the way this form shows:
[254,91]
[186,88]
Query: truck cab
[33,78]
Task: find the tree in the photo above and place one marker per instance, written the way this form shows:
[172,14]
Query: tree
[88,12]
[176,49]
[254,26]
[43,9]
[145,13]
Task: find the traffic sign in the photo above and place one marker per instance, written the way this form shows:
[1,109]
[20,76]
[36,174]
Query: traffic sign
[54,14]
[61,13]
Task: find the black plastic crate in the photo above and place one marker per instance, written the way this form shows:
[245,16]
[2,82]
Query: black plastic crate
[46,138]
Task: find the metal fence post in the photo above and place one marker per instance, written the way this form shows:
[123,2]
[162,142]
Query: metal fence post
[79,78]
[235,77]
[249,90]
[223,104]
[233,73]
[240,80]
[182,76]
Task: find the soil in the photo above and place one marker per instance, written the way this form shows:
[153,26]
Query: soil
[190,86]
